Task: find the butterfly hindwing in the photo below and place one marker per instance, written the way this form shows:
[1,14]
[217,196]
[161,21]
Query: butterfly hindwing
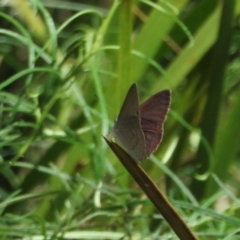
[127,131]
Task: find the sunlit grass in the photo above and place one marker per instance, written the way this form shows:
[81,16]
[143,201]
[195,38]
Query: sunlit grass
[64,74]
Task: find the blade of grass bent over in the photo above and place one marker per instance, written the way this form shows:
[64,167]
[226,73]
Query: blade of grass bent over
[153,193]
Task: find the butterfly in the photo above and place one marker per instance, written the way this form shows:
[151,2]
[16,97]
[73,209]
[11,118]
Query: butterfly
[139,129]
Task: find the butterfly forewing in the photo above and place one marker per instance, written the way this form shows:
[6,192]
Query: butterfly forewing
[153,114]
[127,131]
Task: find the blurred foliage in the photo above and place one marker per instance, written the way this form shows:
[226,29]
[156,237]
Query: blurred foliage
[65,69]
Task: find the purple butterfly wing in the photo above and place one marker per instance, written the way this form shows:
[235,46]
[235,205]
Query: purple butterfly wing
[153,113]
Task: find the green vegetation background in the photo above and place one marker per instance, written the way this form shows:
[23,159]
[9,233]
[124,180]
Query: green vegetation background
[65,69]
